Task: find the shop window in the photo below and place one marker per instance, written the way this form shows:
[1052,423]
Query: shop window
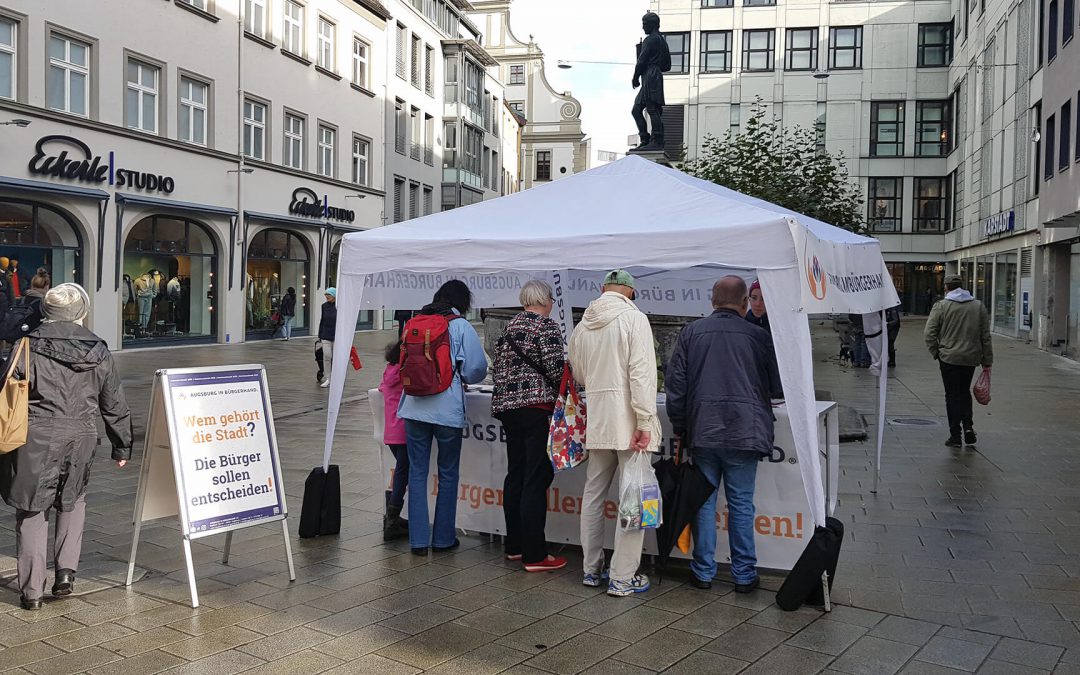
[167,291]
[276,261]
[366,318]
[34,236]
[1005,293]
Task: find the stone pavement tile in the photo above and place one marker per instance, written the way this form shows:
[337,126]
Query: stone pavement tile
[75,662]
[699,663]
[855,616]
[29,652]
[547,632]
[212,643]
[235,595]
[603,607]
[969,635]
[1067,669]
[222,663]
[571,583]
[1061,633]
[297,664]
[432,647]
[144,641]
[890,602]
[159,617]
[360,642]
[373,663]
[422,618]
[747,642]
[992,667]
[684,600]
[403,601]
[417,575]
[637,623]
[902,629]
[613,667]
[576,654]
[351,578]
[349,620]
[51,609]
[538,602]
[468,578]
[1027,653]
[1013,608]
[662,649]
[88,637]
[290,597]
[791,622]
[713,619]
[953,653]
[284,643]
[785,660]
[284,619]
[524,581]
[206,622]
[495,621]
[757,601]
[998,625]
[522,669]
[476,598]
[828,637]
[486,660]
[143,664]
[874,656]
[41,630]
[352,597]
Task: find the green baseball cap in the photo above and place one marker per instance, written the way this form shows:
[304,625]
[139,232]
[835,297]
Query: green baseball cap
[619,278]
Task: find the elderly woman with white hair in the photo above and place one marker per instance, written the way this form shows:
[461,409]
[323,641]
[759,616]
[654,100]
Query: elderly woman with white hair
[528,366]
[73,381]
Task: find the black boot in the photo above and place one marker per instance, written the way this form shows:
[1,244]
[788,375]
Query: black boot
[393,526]
[969,436]
[64,583]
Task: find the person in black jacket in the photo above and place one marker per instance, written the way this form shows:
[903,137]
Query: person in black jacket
[324,347]
[73,382]
[287,310]
[719,383]
[892,323]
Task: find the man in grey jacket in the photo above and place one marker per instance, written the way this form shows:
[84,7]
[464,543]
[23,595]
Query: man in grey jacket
[958,336]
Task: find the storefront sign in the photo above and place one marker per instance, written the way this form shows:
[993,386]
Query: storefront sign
[999,223]
[306,203]
[51,158]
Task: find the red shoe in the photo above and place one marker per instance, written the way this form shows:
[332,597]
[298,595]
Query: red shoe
[513,557]
[548,564]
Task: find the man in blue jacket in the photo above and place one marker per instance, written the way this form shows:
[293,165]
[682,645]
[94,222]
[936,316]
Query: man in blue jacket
[719,383]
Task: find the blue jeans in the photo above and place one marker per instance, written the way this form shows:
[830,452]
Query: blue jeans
[418,437]
[286,326]
[738,470]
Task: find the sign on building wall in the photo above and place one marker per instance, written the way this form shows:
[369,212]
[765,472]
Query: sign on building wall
[999,223]
[67,158]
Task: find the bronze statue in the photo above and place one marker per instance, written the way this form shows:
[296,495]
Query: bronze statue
[653,60]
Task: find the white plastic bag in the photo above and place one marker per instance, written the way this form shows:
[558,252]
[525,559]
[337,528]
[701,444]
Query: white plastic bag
[639,494]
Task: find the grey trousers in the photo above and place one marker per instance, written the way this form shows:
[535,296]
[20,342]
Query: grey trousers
[32,541]
[603,467]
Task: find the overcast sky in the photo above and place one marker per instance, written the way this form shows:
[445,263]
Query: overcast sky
[588,30]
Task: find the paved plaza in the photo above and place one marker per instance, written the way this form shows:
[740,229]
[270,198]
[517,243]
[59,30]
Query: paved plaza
[964,561]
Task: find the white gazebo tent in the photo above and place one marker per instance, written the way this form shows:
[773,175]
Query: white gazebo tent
[676,233]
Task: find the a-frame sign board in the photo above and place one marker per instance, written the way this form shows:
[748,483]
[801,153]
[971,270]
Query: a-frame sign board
[211,458]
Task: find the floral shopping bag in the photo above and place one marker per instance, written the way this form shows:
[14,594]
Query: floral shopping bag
[566,436]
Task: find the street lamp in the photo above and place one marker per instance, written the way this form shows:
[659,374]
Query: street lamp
[18,121]
[246,169]
[821,74]
[355,196]
[565,65]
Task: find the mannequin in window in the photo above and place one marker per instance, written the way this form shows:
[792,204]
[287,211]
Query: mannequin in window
[145,291]
[5,285]
[172,292]
[20,280]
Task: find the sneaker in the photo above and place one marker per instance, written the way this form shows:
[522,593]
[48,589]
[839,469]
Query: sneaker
[513,557]
[325,384]
[953,442]
[548,564]
[593,580]
[639,583]
[969,436]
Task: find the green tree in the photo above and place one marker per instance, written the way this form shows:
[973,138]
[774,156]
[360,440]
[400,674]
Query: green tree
[783,166]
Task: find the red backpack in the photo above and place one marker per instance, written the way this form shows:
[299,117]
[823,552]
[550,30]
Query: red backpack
[426,365]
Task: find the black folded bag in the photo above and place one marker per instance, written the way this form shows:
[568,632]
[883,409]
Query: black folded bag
[803,583]
[321,512]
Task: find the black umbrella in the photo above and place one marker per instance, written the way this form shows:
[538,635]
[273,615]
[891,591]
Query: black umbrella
[683,489]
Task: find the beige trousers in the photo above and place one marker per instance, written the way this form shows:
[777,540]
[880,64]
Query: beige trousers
[601,469]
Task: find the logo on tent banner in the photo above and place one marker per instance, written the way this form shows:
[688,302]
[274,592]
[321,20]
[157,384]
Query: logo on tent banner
[815,278]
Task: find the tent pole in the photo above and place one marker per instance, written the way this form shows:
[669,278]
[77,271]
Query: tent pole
[882,381]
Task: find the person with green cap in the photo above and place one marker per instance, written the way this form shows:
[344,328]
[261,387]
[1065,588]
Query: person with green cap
[612,353]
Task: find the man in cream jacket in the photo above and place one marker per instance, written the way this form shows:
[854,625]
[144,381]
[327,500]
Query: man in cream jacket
[612,354]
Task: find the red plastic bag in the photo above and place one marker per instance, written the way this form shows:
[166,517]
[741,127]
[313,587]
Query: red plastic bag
[354,358]
[981,390]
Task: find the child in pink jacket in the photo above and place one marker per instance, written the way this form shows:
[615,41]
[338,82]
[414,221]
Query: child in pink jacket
[394,527]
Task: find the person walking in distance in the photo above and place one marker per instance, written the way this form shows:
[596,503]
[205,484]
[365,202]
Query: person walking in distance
[324,349]
[612,353]
[958,337]
[719,383]
[287,309]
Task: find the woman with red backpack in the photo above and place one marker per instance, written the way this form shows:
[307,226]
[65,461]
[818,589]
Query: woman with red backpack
[440,353]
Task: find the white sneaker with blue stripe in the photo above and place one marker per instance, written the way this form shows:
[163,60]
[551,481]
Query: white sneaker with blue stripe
[639,583]
[593,580]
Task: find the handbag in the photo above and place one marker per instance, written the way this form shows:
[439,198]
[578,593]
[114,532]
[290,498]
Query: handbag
[15,401]
[275,317]
[528,359]
[981,390]
[566,435]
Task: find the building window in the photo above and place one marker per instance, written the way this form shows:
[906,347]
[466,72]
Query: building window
[399,126]
[517,73]
[197,4]
[428,199]
[758,48]
[518,107]
[706,4]
[360,62]
[141,97]
[292,35]
[254,129]
[429,70]
[716,51]
[886,204]
[360,149]
[802,48]
[543,165]
[679,45]
[474,145]
[1051,146]
[887,129]
[402,56]
[1078,126]
[69,75]
[414,200]
[194,102]
[935,45]
[932,132]
[416,43]
[399,188]
[1036,116]
[758,3]
[415,145]
[292,154]
[327,147]
[931,204]
[496,169]
[255,17]
[1066,136]
[1068,18]
[845,48]
[8,36]
[1052,31]
[326,44]
[429,140]
[474,79]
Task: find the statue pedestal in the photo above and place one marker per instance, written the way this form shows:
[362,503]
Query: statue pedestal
[658,156]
